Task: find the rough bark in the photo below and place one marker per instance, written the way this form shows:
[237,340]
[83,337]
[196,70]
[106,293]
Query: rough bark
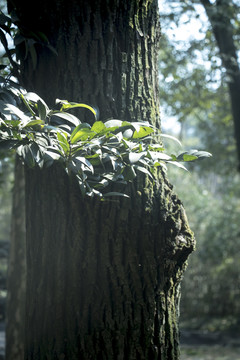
[102,278]
[220,20]
[102,281]
[106,55]
[16,283]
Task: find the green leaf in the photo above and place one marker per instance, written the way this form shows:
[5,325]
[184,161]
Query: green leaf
[143,170]
[37,153]
[203,154]
[71,105]
[187,157]
[13,110]
[32,97]
[42,110]
[63,142]
[115,193]
[8,144]
[156,147]
[98,127]
[143,131]
[82,134]
[171,138]
[26,154]
[81,185]
[138,124]
[50,156]
[192,155]
[127,134]
[113,123]
[154,155]
[94,159]
[129,173]
[79,127]
[175,163]
[82,160]
[73,120]
[54,153]
[33,123]
[135,157]
[48,128]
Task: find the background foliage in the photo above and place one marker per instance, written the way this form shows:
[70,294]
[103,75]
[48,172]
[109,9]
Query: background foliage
[196,106]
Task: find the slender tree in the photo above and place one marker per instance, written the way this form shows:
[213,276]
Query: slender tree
[102,277]
[220,17]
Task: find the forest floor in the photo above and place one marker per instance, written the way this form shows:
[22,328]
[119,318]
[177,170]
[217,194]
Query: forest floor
[209,352]
[214,339]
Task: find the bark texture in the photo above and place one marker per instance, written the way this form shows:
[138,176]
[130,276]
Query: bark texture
[102,278]
[16,283]
[107,54]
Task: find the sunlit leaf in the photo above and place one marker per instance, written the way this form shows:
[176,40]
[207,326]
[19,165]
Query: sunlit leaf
[171,138]
[128,133]
[155,155]
[113,123]
[192,155]
[135,157]
[143,131]
[71,105]
[12,109]
[33,123]
[63,142]
[73,120]
[143,170]
[175,163]
[81,134]
[24,151]
[85,162]
[98,127]
[115,193]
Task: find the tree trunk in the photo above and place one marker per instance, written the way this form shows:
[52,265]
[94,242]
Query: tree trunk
[220,20]
[102,277]
[16,283]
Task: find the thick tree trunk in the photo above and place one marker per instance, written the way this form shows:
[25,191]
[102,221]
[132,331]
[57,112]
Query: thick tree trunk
[102,278]
[17,271]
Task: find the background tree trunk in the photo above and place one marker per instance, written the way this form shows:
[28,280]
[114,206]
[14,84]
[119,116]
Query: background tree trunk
[16,283]
[220,18]
[102,278]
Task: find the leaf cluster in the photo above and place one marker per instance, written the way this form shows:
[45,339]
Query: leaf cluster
[107,152]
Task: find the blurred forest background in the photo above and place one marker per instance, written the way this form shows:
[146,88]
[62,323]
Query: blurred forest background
[196,108]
